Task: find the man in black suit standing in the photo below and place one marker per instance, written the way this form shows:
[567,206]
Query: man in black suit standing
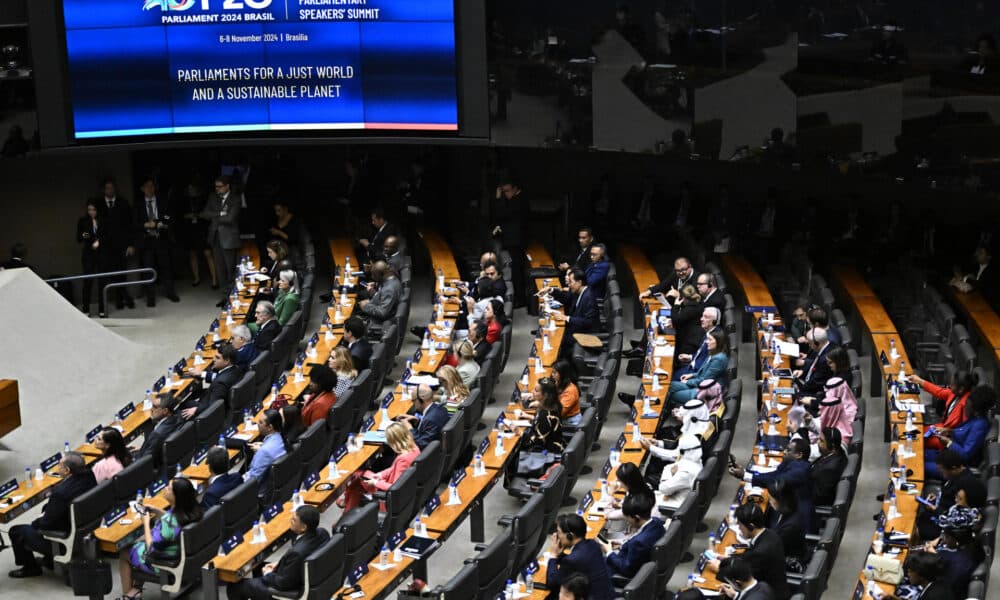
[357,344]
[165,422]
[267,328]
[670,287]
[372,248]
[152,240]
[118,238]
[221,378]
[286,574]
[221,482]
[25,540]
[766,554]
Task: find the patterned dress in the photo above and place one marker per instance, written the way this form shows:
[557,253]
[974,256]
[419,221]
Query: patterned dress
[166,540]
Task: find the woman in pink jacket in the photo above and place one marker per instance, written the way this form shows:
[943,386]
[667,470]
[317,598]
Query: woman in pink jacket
[400,440]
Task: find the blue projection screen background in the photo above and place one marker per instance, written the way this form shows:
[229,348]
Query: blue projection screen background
[148,67]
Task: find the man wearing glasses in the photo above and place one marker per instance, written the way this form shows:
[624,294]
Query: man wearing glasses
[223,213]
[684,274]
[267,327]
[707,286]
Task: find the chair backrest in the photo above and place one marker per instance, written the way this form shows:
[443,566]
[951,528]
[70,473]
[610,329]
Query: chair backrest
[324,570]
[553,490]
[239,508]
[705,483]
[86,512]
[282,478]
[643,583]
[400,504]
[198,544]
[494,564]
[688,514]
[358,528]
[814,579]
[453,442]
[362,391]
[857,445]
[314,451]
[241,396]
[667,553]
[379,362]
[573,458]
[263,368]
[427,472]
[179,447]
[133,478]
[528,532]
[210,423]
[463,586]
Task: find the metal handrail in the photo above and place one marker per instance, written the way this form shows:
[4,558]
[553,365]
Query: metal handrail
[117,284]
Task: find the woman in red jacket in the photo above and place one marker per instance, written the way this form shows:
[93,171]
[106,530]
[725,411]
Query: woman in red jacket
[320,397]
[400,440]
[495,320]
[949,401]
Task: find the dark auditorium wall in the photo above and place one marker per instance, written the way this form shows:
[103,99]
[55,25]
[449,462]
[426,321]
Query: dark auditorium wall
[41,198]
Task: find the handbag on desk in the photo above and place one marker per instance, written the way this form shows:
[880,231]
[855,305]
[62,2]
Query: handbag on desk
[885,569]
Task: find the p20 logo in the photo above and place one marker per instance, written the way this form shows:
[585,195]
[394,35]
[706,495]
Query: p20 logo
[177,5]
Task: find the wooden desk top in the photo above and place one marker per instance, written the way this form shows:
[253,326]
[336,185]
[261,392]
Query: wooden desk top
[243,558]
[112,538]
[441,256]
[750,281]
[378,580]
[852,282]
[341,248]
[873,314]
[981,314]
[470,490]
[642,270]
[538,256]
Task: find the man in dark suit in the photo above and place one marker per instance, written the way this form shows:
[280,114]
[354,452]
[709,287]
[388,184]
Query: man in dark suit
[221,378]
[118,237]
[25,540]
[983,278]
[16,261]
[268,327]
[359,347]
[393,255]
[580,256]
[597,268]
[766,554]
[794,470]
[372,247]
[221,482]
[490,284]
[638,549]
[152,239]
[222,211]
[739,582]
[670,287]
[477,337]
[579,304]
[707,286]
[814,369]
[429,417]
[165,422]
[241,339]
[383,294]
[286,574]
[573,553]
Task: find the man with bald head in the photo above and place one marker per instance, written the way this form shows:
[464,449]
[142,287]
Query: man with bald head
[428,418]
[683,274]
[392,253]
[384,292]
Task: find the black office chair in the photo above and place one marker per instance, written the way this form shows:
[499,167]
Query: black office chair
[85,514]
[239,508]
[178,449]
[400,505]
[528,533]
[209,424]
[282,478]
[199,542]
[463,586]
[241,397]
[643,584]
[323,573]
[313,449]
[453,443]
[667,555]
[339,420]
[493,564]
[814,579]
[133,478]
[358,528]
[428,468]
[264,375]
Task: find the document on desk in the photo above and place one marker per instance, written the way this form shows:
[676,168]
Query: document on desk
[787,348]
[422,379]
[663,350]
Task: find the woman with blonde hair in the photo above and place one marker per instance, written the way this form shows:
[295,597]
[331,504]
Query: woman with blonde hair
[400,440]
[455,390]
[343,365]
[468,368]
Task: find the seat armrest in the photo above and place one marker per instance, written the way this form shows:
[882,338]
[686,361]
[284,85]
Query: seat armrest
[379,495]
[619,581]
[505,520]
[53,534]
[535,483]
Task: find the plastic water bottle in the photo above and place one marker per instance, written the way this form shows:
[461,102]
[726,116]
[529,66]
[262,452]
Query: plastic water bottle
[877,544]
[478,463]
[178,470]
[383,557]
[636,434]
[892,347]
[274,392]
[385,415]
[296,499]
[419,528]
[453,493]
[139,495]
[872,587]
[347,266]
[732,515]
[425,344]
[27,478]
[902,371]
[258,532]
[222,441]
[247,419]
[498,447]
[529,583]
[170,374]
[711,542]
[909,420]
[147,402]
[350,442]
[509,590]
[690,583]
[761,454]
[646,406]
[331,469]
[65,448]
